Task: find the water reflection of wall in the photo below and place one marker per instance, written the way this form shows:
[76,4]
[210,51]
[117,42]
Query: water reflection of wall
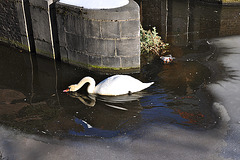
[230,21]
[31,99]
[184,21]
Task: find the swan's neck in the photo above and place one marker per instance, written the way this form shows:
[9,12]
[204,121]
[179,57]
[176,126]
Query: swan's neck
[89,80]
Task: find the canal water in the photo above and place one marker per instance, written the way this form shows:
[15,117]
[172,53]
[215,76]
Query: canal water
[32,102]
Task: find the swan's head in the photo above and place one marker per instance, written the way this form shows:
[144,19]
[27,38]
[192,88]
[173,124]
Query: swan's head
[71,88]
[75,87]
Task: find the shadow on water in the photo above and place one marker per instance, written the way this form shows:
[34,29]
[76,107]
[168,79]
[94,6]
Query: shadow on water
[31,98]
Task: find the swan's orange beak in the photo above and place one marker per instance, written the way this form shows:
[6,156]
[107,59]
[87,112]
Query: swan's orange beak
[66,90]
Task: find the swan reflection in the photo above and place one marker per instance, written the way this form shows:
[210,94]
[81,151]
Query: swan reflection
[110,101]
[107,115]
[88,100]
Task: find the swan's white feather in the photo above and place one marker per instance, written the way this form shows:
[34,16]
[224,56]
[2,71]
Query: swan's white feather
[112,86]
[120,84]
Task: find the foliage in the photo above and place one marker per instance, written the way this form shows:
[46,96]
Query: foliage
[151,42]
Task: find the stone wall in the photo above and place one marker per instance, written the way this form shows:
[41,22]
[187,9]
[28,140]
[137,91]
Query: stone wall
[12,24]
[41,27]
[94,39]
[107,39]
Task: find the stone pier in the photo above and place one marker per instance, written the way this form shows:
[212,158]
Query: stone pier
[99,39]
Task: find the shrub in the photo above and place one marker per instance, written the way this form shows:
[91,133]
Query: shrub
[151,42]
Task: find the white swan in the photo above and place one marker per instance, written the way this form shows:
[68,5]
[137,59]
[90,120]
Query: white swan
[112,86]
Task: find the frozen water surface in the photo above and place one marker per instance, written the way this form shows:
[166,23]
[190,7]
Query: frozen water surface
[227,92]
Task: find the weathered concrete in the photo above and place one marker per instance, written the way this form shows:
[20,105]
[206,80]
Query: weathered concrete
[41,27]
[94,39]
[100,39]
[12,24]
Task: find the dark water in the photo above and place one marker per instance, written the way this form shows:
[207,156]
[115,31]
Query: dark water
[31,98]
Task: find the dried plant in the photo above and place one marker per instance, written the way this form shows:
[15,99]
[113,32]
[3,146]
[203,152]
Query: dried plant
[151,42]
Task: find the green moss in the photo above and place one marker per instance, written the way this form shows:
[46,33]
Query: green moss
[230,1]
[14,43]
[44,53]
[101,68]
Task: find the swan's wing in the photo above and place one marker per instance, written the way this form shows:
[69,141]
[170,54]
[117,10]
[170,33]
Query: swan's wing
[120,84]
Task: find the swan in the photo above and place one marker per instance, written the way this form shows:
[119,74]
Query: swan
[112,86]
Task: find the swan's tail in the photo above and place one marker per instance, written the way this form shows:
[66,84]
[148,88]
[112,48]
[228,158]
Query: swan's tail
[149,84]
[145,85]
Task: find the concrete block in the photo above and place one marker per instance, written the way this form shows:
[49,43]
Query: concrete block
[103,36]
[101,47]
[40,19]
[41,4]
[74,24]
[44,48]
[77,58]
[22,27]
[64,54]
[130,62]
[95,60]
[91,28]
[75,42]
[41,27]
[126,47]
[110,47]
[110,29]
[130,29]
[111,62]
[61,30]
